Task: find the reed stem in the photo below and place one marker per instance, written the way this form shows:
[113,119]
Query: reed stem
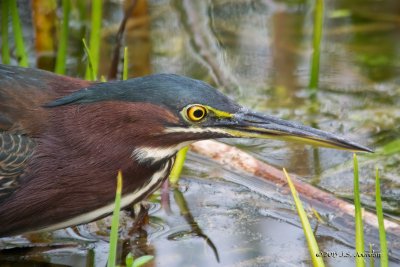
[95,34]
[318,25]
[5,47]
[62,49]
[18,36]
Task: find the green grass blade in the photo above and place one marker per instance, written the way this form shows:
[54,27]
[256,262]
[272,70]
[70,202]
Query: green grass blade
[112,257]
[62,48]
[125,69]
[371,259]
[18,36]
[318,25]
[177,168]
[5,47]
[379,213]
[92,74]
[360,249]
[392,147]
[95,36]
[142,260]
[129,260]
[308,232]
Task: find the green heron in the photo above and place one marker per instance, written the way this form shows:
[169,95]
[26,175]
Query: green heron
[63,139]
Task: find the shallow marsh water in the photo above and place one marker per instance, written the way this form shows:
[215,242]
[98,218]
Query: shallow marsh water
[258,52]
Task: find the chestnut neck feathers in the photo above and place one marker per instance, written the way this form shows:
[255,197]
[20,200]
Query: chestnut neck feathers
[72,171]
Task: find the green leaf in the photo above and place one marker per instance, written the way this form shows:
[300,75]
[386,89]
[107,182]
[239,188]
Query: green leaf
[392,147]
[92,73]
[62,48]
[142,260]
[379,213]
[313,248]
[18,36]
[95,35]
[177,168]
[125,69]
[5,48]
[112,257]
[317,32]
[360,249]
[129,260]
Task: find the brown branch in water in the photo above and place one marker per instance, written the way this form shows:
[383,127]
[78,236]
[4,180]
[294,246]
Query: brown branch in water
[233,157]
[112,74]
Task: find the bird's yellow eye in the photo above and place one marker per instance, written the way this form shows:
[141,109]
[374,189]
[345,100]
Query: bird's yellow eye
[196,112]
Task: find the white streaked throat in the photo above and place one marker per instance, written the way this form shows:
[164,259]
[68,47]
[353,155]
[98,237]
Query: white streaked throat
[155,154]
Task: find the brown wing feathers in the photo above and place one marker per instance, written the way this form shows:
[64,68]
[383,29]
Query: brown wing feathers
[23,92]
[15,150]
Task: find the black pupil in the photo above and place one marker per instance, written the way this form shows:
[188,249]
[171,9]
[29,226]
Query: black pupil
[198,113]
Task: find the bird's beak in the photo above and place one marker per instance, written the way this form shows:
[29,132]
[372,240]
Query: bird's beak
[251,124]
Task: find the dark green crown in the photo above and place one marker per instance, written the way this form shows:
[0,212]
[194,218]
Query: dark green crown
[170,90]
